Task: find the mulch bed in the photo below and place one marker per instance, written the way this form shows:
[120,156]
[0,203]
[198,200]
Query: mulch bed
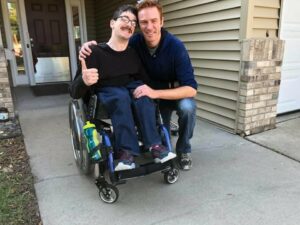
[18,203]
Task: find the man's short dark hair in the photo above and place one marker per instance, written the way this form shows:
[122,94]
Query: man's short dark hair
[124,8]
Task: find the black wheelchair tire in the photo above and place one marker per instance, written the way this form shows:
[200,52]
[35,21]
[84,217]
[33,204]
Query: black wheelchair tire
[109,193]
[77,120]
[171,176]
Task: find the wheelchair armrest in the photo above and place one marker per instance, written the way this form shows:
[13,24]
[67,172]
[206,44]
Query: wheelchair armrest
[97,109]
[100,112]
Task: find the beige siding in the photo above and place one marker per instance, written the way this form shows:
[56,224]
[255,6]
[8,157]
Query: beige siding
[90,19]
[210,30]
[263,18]
[104,11]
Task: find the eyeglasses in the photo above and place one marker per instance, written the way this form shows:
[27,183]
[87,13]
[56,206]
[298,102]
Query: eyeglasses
[126,20]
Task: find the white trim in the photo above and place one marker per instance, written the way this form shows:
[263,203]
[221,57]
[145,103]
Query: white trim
[1,42]
[72,50]
[83,31]
[13,63]
[83,17]
[27,46]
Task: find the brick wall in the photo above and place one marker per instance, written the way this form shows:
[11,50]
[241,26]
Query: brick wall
[5,91]
[259,84]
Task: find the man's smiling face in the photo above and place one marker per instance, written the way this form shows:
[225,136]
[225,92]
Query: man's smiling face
[124,26]
[151,22]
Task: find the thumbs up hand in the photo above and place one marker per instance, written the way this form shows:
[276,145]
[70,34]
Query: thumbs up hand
[89,76]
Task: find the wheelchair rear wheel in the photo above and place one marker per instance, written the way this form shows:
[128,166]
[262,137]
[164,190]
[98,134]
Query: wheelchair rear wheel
[77,120]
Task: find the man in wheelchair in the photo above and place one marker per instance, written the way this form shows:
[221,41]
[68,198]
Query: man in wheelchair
[120,73]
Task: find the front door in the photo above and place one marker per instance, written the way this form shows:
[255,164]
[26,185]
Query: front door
[47,27]
[43,48]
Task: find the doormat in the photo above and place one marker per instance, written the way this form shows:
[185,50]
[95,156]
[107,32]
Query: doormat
[50,89]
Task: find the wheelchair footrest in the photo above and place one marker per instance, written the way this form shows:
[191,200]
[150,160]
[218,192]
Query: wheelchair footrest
[143,170]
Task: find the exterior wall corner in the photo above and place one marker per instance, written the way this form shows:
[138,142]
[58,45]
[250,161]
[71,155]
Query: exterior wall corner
[260,76]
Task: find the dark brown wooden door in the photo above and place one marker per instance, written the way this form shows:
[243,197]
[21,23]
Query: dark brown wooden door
[47,27]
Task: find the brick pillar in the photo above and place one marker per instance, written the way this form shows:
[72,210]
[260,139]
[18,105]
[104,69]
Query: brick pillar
[259,84]
[5,92]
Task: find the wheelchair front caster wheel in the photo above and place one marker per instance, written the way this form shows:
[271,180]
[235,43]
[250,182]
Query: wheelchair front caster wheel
[109,193]
[171,176]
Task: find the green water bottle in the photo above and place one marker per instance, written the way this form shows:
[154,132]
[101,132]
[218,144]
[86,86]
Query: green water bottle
[92,141]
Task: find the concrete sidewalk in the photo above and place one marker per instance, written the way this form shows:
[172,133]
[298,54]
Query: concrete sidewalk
[233,180]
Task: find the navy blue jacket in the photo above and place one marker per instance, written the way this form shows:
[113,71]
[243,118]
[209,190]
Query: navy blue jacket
[170,63]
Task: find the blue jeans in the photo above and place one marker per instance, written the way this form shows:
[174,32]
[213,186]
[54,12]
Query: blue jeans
[186,111]
[120,106]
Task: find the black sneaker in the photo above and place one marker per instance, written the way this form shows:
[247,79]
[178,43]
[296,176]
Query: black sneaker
[185,161]
[160,154]
[126,161]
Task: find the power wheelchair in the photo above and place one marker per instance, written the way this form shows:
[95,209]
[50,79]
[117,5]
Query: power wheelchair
[106,178]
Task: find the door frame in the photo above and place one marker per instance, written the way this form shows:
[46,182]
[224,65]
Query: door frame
[25,39]
[29,79]
[83,31]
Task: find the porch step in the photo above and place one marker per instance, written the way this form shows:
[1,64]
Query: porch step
[50,89]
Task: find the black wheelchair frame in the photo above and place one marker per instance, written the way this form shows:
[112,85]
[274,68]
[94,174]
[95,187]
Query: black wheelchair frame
[106,178]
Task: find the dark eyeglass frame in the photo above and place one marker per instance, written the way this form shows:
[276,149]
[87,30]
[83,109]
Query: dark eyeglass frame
[126,20]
